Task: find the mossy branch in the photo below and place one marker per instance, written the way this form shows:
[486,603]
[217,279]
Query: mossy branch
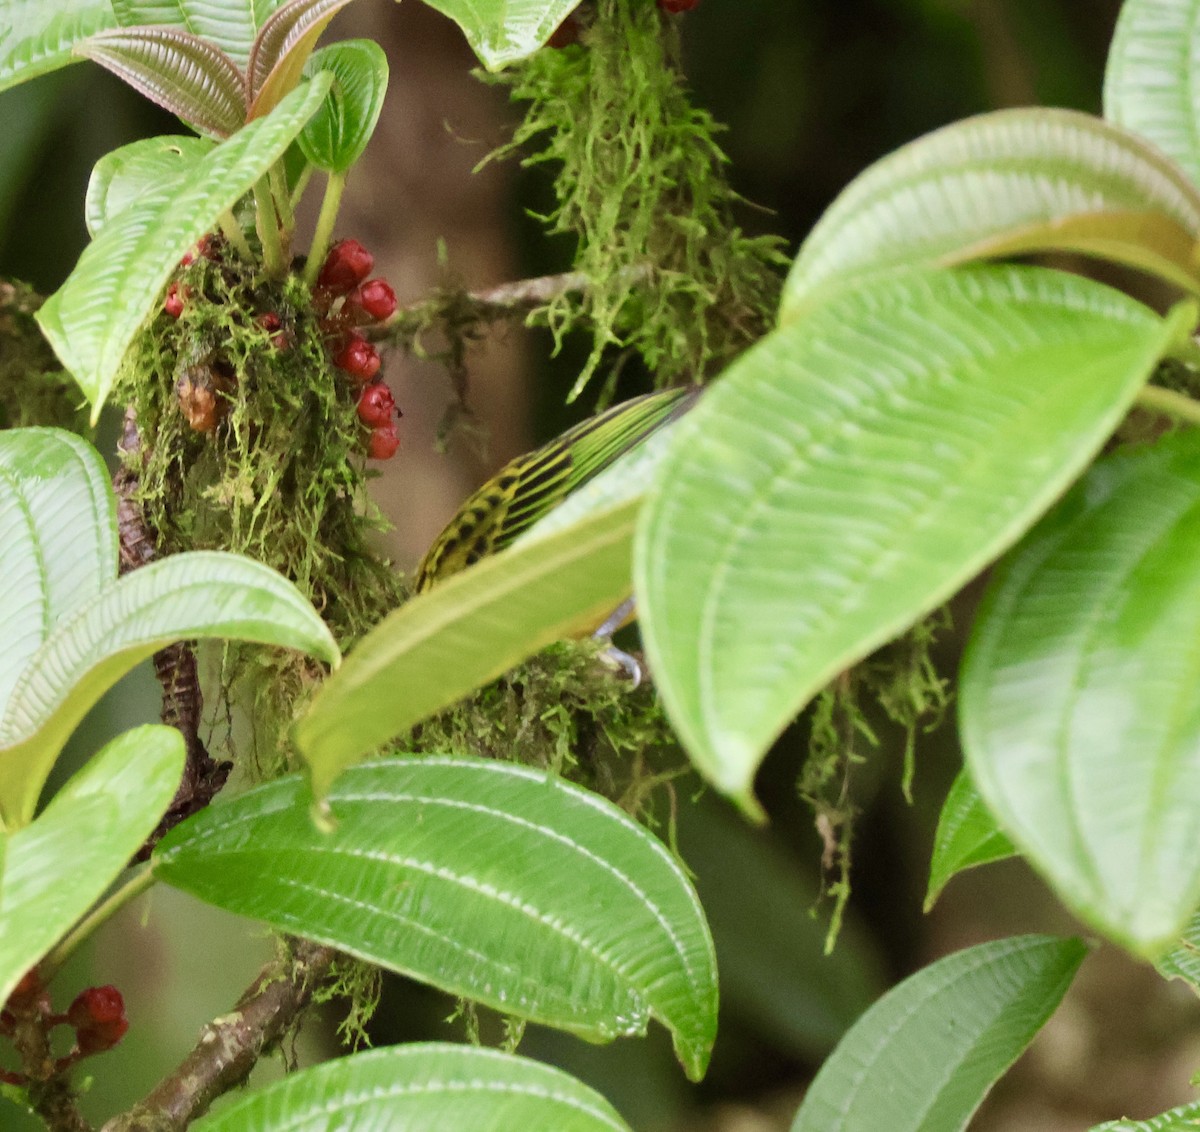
[230,1046]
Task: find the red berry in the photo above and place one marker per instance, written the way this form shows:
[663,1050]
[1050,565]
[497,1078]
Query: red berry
[375,298]
[358,358]
[674,6]
[98,1015]
[565,34]
[384,442]
[96,1006]
[269,321]
[347,265]
[173,303]
[376,405]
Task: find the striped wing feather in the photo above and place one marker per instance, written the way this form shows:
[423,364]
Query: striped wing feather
[531,485]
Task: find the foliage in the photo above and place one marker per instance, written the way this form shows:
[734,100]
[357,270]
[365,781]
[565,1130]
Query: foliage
[907,417]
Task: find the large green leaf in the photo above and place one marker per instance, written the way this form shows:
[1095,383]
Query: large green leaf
[1185,1118]
[189,76]
[58,538]
[1150,83]
[119,178]
[967,835]
[1078,710]
[925,1055]
[464,632]
[503,31]
[492,881]
[854,469]
[425,1087]
[93,318]
[54,869]
[231,24]
[194,595]
[1003,184]
[282,49]
[37,36]
[337,134]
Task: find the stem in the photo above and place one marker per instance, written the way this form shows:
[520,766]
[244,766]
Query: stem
[327,218]
[268,229]
[283,199]
[232,231]
[1168,403]
[135,884]
[301,185]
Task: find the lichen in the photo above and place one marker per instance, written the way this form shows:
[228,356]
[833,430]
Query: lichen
[639,182]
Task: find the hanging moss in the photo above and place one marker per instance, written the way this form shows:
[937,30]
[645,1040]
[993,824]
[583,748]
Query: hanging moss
[34,388]
[640,183]
[253,445]
[903,682]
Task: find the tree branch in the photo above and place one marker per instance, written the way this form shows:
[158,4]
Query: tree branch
[230,1046]
[175,666]
[455,308]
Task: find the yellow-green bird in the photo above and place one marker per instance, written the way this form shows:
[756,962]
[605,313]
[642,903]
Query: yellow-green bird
[529,487]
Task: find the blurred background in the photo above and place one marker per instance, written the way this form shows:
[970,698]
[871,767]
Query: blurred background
[812,92]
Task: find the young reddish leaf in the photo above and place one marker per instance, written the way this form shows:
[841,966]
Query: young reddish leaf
[182,73]
[282,48]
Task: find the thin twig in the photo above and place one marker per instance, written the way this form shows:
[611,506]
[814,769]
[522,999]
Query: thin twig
[230,1046]
[493,304]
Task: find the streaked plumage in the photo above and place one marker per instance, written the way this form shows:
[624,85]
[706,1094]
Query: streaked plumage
[528,487]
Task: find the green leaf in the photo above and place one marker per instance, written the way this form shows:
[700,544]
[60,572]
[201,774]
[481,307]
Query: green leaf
[54,869]
[1077,710]
[1003,184]
[925,1055]
[186,75]
[1182,961]
[337,134]
[1185,1118]
[37,36]
[466,631]
[231,25]
[283,48]
[503,31]
[423,1087]
[967,835]
[1149,84]
[855,468]
[119,178]
[58,538]
[93,318]
[491,881]
[195,595]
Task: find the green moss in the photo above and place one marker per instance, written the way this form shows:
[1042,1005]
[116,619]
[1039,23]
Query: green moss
[280,476]
[640,182]
[34,388]
[567,711]
[902,681]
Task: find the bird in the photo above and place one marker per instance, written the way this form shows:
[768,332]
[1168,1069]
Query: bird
[531,485]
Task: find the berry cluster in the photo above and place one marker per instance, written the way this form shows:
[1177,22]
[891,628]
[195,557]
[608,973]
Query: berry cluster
[97,1016]
[347,300]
